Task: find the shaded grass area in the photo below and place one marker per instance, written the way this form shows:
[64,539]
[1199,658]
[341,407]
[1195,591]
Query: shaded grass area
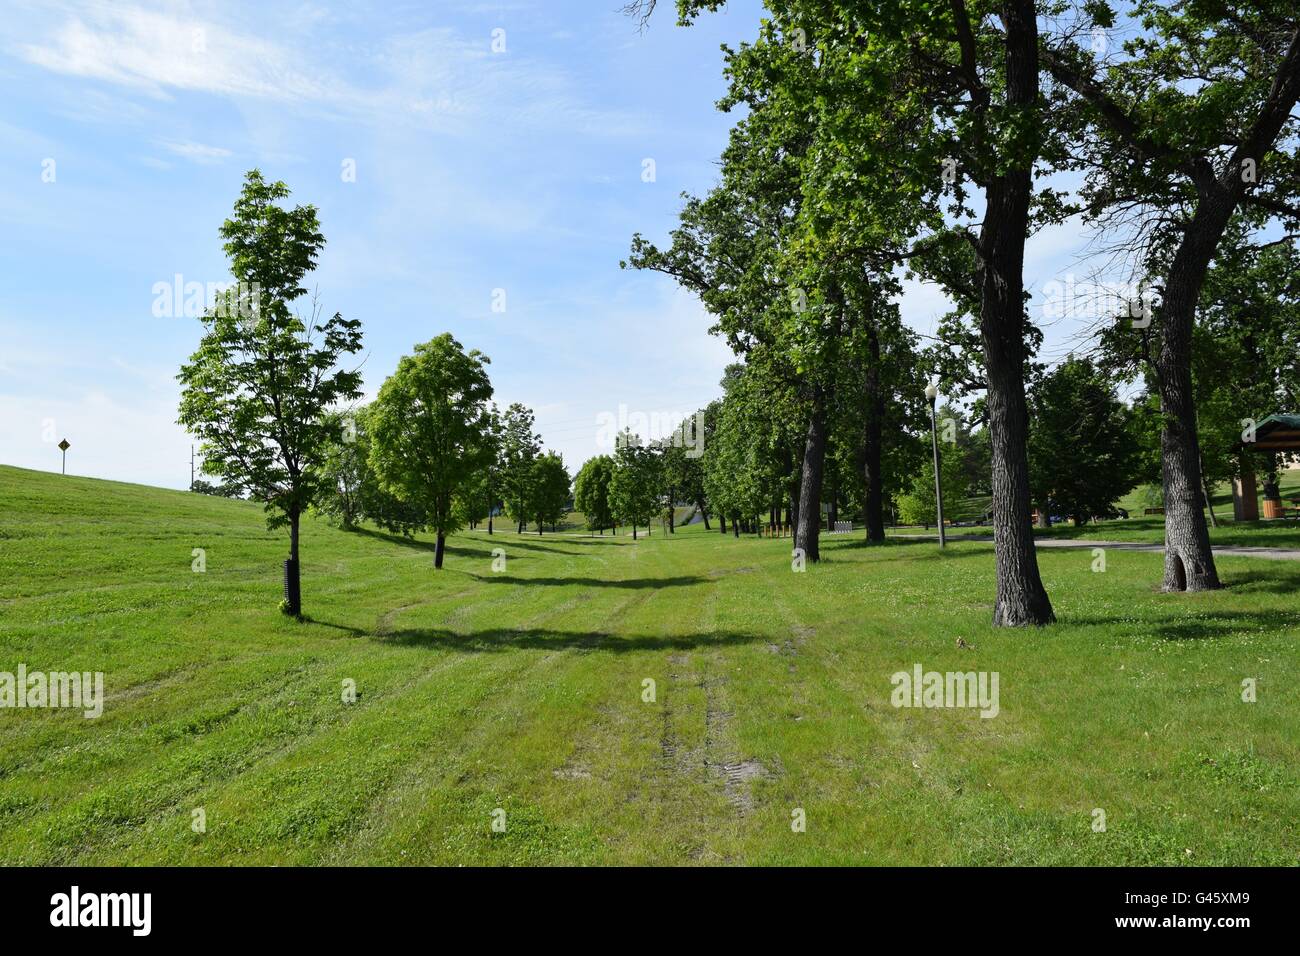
[523,691]
[1147,529]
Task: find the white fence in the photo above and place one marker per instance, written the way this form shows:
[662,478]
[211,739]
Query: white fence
[842,527]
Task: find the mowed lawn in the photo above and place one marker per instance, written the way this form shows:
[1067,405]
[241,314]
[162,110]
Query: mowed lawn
[522,690]
[1150,529]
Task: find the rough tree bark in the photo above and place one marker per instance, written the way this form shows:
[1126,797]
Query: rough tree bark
[1021,598]
[810,485]
[1189,562]
[871,442]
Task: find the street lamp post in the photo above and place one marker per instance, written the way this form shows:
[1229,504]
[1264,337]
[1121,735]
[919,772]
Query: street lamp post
[932,393]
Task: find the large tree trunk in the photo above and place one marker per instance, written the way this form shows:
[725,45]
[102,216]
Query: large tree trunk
[439,549]
[875,503]
[872,441]
[1189,562]
[1021,598]
[810,485]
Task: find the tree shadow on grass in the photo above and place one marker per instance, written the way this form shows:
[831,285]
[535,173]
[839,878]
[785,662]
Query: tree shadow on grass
[922,549]
[1273,581]
[683,580]
[354,631]
[430,546]
[515,542]
[893,541]
[392,538]
[549,639]
[1200,627]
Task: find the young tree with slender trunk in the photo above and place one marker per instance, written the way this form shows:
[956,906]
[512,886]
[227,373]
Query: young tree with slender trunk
[520,446]
[591,492]
[259,390]
[430,430]
[552,490]
[634,485]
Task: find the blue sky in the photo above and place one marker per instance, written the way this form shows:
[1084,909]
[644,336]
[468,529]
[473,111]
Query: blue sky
[127,127]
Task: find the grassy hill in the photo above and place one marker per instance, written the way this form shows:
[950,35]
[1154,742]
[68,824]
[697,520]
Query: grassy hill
[522,690]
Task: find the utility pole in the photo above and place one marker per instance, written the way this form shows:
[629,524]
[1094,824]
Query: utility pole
[191,467]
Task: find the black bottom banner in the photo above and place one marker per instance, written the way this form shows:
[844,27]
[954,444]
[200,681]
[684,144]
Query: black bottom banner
[303,905]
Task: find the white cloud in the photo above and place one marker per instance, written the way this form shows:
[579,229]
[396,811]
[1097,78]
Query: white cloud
[428,79]
[195,152]
[154,51]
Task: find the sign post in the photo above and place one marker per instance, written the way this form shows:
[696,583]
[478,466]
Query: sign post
[63,447]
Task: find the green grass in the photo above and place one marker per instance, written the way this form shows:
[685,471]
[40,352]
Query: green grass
[1145,530]
[1150,529]
[522,690]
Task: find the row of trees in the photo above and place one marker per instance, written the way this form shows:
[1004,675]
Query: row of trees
[924,136]
[1087,448]
[268,396]
[636,484]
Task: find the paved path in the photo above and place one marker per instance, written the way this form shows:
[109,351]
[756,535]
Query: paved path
[1237,551]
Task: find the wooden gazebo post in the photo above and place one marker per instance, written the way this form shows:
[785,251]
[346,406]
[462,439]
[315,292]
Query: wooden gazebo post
[1275,433]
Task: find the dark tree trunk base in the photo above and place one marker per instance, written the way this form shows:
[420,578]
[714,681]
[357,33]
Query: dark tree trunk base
[1185,572]
[808,529]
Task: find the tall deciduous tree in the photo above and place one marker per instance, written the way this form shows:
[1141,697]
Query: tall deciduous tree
[259,389]
[1194,124]
[429,429]
[634,488]
[350,491]
[551,497]
[1083,445]
[591,492]
[520,445]
[910,105]
[918,505]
